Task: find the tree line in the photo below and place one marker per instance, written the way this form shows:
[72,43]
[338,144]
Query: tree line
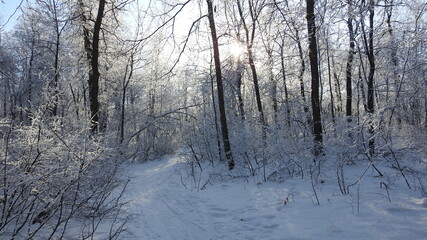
[262,85]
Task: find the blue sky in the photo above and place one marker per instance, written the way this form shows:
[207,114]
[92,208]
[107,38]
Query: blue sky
[7,7]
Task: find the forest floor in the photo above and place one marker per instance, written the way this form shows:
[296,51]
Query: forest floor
[165,204]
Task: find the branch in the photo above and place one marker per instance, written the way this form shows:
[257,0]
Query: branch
[184,47]
[165,23]
[11,16]
[178,110]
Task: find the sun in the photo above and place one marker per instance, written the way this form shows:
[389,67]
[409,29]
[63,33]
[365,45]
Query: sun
[236,49]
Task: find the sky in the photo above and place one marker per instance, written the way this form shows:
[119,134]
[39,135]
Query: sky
[7,8]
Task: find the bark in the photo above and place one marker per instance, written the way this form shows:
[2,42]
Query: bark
[239,75]
[349,66]
[393,55]
[75,100]
[56,78]
[56,61]
[371,59]
[256,86]
[273,87]
[92,54]
[337,86]
[282,63]
[221,103]
[425,105]
[28,111]
[315,79]
[330,80]
[218,140]
[5,94]
[125,83]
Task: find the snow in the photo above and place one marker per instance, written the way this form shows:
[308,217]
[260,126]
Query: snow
[166,205]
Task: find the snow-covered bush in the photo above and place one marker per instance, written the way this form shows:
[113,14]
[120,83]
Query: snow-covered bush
[56,184]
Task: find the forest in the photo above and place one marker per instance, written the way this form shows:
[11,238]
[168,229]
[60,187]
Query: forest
[261,91]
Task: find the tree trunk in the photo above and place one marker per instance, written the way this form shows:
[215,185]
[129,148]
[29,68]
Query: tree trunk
[337,86]
[218,140]
[301,73]
[125,83]
[239,75]
[285,86]
[249,44]
[221,103]
[393,55]
[425,104]
[273,87]
[56,78]
[349,66]
[5,94]
[56,62]
[371,60]
[317,120]
[26,113]
[256,87]
[92,54]
[330,80]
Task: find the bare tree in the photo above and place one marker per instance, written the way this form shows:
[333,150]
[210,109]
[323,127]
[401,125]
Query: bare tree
[369,47]
[315,101]
[350,58]
[254,10]
[220,88]
[91,44]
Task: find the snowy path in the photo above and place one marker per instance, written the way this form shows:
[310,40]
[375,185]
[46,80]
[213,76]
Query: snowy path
[161,204]
[164,209]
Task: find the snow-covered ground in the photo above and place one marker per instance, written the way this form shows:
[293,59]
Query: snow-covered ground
[245,209]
